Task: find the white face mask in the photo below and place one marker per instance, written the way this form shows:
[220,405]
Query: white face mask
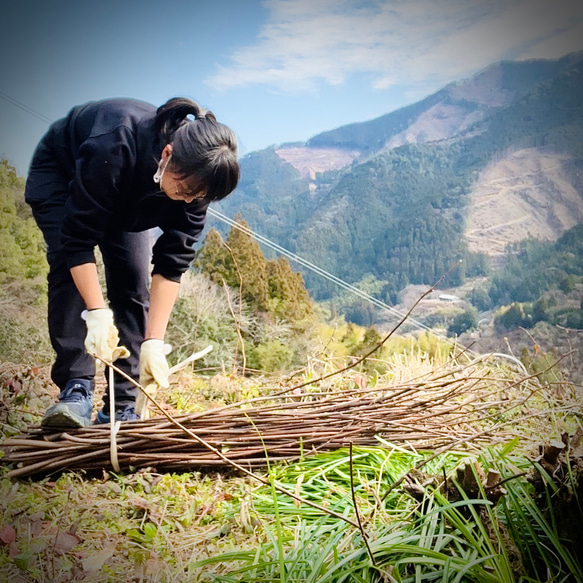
[160,172]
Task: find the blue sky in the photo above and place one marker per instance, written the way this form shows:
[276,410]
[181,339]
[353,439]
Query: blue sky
[273,70]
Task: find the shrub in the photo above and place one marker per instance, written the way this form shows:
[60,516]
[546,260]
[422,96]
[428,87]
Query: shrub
[515,315]
[464,322]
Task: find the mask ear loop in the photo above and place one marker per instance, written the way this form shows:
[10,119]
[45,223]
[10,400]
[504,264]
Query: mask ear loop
[157,178]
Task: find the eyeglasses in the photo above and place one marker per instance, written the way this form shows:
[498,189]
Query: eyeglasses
[194,193]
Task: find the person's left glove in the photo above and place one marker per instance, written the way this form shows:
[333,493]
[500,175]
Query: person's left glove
[153,365]
[102,336]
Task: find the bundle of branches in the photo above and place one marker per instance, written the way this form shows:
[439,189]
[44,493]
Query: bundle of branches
[444,408]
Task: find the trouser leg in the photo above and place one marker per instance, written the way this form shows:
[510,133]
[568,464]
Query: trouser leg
[67,329]
[126,257]
[47,192]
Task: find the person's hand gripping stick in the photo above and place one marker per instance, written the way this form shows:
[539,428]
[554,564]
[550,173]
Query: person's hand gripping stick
[154,371]
[102,336]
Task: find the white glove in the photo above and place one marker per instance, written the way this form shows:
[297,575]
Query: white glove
[102,336]
[153,366]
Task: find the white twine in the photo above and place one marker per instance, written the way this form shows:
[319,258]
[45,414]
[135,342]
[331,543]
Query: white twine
[114,425]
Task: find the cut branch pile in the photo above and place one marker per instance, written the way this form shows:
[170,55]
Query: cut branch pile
[439,410]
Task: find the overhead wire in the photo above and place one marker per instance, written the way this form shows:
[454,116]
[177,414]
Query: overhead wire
[25,108]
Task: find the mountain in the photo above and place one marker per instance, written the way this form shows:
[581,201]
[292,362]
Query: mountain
[451,110]
[483,162]
[447,113]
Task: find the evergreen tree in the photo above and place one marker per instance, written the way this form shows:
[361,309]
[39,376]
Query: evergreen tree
[250,267]
[288,297]
[215,260]
[266,286]
[370,340]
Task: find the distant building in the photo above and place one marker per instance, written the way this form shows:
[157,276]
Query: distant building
[449,298]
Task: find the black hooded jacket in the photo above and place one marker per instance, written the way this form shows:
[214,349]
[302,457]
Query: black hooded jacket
[107,152]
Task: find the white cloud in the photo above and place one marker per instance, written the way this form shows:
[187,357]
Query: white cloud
[408,42]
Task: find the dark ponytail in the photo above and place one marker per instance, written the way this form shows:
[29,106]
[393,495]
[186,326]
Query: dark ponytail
[201,147]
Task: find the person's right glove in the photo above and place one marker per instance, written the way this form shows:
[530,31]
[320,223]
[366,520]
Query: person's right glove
[153,365]
[102,336]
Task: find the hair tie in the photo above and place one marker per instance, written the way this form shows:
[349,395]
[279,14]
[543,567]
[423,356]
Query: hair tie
[200,115]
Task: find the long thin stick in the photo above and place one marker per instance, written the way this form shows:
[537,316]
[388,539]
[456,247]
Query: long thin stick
[224,457]
[354,503]
[383,341]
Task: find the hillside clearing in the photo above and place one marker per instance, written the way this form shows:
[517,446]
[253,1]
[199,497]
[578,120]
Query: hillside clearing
[527,193]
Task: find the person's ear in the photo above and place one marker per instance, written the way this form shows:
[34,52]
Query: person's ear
[166,152]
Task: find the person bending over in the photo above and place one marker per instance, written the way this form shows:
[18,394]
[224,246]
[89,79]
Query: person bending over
[105,176]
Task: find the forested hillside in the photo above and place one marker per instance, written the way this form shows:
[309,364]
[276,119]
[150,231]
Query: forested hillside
[534,267]
[395,216]
[541,282]
[399,211]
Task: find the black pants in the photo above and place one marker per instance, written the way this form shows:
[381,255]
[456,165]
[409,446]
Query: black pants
[126,257]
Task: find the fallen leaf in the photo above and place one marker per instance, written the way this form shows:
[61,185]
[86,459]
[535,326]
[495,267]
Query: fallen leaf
[65,542]
[37,515]
[38,545]
[97,559]
[36,527]
[139,502]
[7,534]
[154,564]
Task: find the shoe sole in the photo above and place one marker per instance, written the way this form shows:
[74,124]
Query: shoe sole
[66,419]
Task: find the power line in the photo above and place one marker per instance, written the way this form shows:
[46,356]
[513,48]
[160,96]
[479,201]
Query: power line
[25,108]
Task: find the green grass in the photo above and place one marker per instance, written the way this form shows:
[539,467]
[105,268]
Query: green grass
[433,539]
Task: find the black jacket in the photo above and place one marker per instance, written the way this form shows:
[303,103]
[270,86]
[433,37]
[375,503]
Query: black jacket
[108,152]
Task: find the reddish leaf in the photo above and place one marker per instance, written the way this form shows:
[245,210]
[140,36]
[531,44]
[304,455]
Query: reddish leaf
[65,542]
[7,534]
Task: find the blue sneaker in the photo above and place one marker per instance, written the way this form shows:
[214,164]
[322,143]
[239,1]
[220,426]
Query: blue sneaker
[123,413]
[74,406]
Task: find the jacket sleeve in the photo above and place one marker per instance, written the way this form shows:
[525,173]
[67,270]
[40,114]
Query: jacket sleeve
[173,251]
[102,167]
